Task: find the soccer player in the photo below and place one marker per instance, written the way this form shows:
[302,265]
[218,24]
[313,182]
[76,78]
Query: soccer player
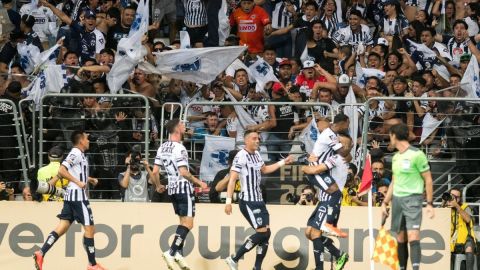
[411,177]
[173,157]
[325,146]
[248,166]
[75,205]
[334,170]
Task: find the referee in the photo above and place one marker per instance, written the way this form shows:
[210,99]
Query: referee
[75,205]
[249,166]
[411,175]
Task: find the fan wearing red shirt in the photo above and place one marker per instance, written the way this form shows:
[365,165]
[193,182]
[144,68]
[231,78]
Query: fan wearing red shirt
[307,79]
[252,22]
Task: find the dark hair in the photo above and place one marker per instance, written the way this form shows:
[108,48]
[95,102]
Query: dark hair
[353,167]
[318,22]
[17,65]
[400,131]
[207,114]
[76,136]
[356,12]
[68,53]
[171,125]
[340,118]
[14,87]
[420,80]
[431,30]
[269,47]
[114,12]
[376,154]
[455,75]
[312,3]
[309,187]
[28,20]
[231,156]
[378,161]
[382,183]
[455,23]
[233,40]
[247,132]
[238,70]
[107,51]
[132,7]
[418,27]
[375,123]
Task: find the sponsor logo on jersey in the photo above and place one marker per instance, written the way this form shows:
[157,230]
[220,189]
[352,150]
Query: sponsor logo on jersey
[247,26]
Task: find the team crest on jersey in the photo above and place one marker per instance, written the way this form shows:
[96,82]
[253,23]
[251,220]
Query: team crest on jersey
[259,221]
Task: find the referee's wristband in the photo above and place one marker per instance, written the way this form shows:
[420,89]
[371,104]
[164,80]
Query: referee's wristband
[228,201]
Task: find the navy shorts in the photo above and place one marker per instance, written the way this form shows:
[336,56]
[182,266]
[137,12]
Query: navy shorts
[183,204]
[256,213]
[322,181]
[79,211]
[318,216]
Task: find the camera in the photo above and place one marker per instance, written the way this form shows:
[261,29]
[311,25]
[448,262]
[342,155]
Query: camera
[309,197]
[47,189]
[376,177]
[135,161]
[292,198]
[9,185]
[352,192]
[379,198]
[446,196]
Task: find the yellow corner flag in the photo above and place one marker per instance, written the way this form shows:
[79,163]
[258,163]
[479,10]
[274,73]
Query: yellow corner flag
[386,251]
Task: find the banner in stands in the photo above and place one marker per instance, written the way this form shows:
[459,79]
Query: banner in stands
[131,236]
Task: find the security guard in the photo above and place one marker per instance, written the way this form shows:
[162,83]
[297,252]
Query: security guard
[461,229]
[49,173]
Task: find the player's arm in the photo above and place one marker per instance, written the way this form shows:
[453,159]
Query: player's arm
[316,169]
[64,173]
[187,175]
[230,188]
[273,167]
[427,178]
[222,184]
[156,175]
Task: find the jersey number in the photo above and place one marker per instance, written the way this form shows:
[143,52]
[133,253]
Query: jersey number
[170,168]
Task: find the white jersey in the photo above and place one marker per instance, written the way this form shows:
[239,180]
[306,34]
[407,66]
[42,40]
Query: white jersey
[345,36]
[326,145]
[77,165]
[171,156]
[249,167]
[45,20]
[338,170]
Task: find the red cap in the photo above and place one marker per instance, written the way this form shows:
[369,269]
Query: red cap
[277,87]
[285,61]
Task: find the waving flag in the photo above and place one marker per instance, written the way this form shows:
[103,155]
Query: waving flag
[140,24]
[364,73]
[223,23]
[184,40]
[470,81]
[263,74]
[200,65]
[352,113]
[215,156]
[32,60]
[367,178]
[50,80]
[429,125]
[237,64]
[309,135]
[386,251]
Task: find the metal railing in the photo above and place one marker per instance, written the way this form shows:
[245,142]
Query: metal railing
[163,120]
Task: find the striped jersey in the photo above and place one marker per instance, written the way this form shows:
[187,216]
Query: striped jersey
[338,171]
[345,36]
[171,156]
[195,12]
[281,18]
[77,165]
[457,49]
[249,167]
[332,24]
[326,145]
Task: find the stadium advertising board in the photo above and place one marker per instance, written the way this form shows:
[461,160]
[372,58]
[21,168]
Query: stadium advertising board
[131,236]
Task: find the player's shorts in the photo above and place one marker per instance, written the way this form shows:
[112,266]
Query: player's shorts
[318,216]
[79,211]
[322,181]
[256,213]
[183,204]
[406,213]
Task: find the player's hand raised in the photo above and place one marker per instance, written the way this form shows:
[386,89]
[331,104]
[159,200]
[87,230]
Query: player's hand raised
[228,209]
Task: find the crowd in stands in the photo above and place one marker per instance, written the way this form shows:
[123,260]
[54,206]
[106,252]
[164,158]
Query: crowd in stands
[308,44]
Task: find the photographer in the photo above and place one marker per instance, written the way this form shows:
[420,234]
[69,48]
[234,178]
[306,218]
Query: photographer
[308,196]
[379,196]
[136,178]
[6,191]
[461,228]
[49,173]
[349,192]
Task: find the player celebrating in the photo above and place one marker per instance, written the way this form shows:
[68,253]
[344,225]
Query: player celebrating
[75,205]
[334,171]
[173,156]
[249,165]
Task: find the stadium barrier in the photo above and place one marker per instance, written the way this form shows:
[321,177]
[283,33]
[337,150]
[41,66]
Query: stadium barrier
[110,139]
[13,158]
[131,236]
[453,152]
[171,106]
[29,122]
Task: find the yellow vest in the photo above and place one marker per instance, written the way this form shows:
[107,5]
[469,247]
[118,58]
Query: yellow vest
[46,173]
[347,200]
[458,228]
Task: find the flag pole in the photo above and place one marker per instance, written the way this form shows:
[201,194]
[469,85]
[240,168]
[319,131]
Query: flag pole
[370,228]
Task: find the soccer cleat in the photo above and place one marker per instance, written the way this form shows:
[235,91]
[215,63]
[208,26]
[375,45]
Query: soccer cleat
[231,263]
[341,261]
[181,262]
[169,259]
[38,258]
[332,230]
[95,267]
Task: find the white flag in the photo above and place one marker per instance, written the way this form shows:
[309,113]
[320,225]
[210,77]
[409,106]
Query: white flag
[50,80]
[304,57]
[237,64]
[352,113]
[364,73]
[184,40]
[263,74]
[147,67]
[429,125]
[215,156]
[32,60]
[140,24]
[309,135]
[470,81]
[223,23]
[200,65]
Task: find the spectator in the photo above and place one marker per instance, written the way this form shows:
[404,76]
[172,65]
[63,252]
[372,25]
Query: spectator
[122,28]
[394,22]
[211,128]
[355,33]
[220,181]
[195,21]
[350,190]
[308,196]
[252,23]
[6,191]
[140,84]
[49,173]
[164,9]
[136,178]
[283,14]
[31,37]
[44,22]
[309,76]
[13,16]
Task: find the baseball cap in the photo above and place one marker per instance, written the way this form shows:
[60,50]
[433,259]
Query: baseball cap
[465,57]
[277,87]
[400,79]
[308,64]
[382,41]
[343,80]
[284,62]
[90,14]
[55,152]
